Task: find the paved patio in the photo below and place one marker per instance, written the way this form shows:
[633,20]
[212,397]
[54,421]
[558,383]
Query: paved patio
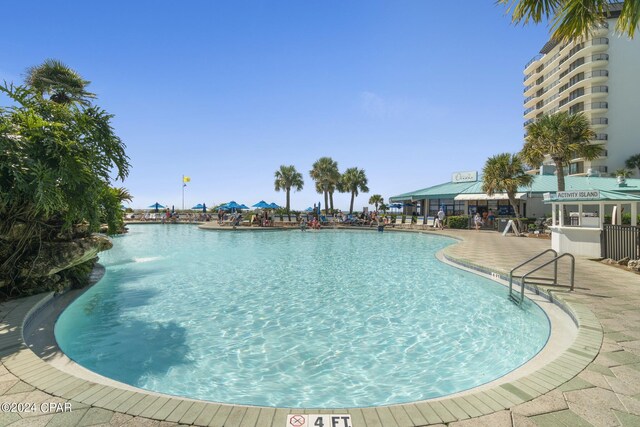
[563,393]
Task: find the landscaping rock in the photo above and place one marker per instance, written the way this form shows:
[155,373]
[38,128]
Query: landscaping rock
[624,261]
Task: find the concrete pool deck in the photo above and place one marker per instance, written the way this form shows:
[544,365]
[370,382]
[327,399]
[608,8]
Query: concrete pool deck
[606,304]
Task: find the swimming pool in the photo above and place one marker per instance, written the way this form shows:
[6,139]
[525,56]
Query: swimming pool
[318,319]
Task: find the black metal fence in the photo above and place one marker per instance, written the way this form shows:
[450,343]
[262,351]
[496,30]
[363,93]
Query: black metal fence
[620,241]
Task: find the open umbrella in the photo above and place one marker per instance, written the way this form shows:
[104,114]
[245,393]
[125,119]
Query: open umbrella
[243,207]
[262,205]
[309,209]
[196,207]
[157,206]
[232,205]
[273,206]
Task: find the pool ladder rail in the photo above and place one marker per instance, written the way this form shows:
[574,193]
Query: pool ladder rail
[527,279]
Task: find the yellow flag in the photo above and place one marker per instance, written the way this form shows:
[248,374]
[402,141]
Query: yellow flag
[186,179]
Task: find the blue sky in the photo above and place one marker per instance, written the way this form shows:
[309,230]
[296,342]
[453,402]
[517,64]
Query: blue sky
[227,91]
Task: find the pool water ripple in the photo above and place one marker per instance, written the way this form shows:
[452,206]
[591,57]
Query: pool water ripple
[292,319]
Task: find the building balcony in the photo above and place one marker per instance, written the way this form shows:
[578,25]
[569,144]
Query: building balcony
[599,122]
[530,66]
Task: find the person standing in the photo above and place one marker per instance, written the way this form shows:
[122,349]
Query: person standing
[441,216]
[477,219]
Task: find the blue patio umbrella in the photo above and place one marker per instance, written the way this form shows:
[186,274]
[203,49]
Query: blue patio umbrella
[157,206]
[232,205]
[262,205]
[309,209]
[273,206]
[197,207]
[243,207]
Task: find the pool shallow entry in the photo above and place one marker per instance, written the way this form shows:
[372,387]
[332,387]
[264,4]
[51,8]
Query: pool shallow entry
[327,319]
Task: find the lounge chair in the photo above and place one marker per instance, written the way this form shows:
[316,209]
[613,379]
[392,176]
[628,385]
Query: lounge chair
[419,222]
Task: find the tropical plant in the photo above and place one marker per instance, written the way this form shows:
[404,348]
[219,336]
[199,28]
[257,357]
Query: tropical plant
[561,136]
[633,162]
[504,173]
[572,19]
[383,207]
[376,200]
[353,181]
[56,164]
[287,177]
[625,173]
[61,83]
[327,176]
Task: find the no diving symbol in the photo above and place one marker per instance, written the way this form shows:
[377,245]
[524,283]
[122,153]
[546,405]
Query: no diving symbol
[297,420]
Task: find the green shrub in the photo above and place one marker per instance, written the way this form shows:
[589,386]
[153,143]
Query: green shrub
[459,222]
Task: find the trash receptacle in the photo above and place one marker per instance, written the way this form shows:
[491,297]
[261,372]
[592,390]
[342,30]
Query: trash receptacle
[502,224]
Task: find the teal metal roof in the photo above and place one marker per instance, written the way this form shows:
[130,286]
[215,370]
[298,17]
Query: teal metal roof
[541,184]
[611,196]
[440,191]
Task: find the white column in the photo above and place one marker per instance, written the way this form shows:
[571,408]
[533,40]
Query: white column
[619,214]
[561,214]
[601,215]
[580,214]
[634,213]
[554,208]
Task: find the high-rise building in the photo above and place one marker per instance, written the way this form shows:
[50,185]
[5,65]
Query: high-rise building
[599,76]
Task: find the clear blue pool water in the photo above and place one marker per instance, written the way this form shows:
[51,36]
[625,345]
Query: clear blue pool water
[318,319]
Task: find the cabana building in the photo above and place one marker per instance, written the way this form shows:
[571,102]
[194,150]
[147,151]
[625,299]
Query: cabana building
[463,195]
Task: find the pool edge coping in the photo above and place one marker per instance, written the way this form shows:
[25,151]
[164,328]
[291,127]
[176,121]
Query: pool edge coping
[22,362]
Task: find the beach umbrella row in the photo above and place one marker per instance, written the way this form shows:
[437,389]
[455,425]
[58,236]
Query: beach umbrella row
[232,205]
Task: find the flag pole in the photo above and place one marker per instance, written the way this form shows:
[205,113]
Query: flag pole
[182,192]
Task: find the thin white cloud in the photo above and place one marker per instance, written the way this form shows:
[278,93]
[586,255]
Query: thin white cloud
[373,105]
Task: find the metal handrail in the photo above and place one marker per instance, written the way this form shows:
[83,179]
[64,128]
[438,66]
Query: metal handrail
[555,279]
[525,263]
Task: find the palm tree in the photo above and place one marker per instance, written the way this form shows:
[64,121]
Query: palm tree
[572,19]
[61,83]
[354,180]
[625,173]
[505,173]
[383,207]
[633,162]
[326,175]
[561,136]
[288,177]
[376,200]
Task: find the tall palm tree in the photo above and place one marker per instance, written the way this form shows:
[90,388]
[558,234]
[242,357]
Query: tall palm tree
[287,177]
[376,200]
[326,175]
[505,173]
[61,83]
[572,19]
[561,136]
[354,180]
[633,162]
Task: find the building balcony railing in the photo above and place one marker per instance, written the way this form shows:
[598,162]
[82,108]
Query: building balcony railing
[601,137]
[600,121]
[534,59]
